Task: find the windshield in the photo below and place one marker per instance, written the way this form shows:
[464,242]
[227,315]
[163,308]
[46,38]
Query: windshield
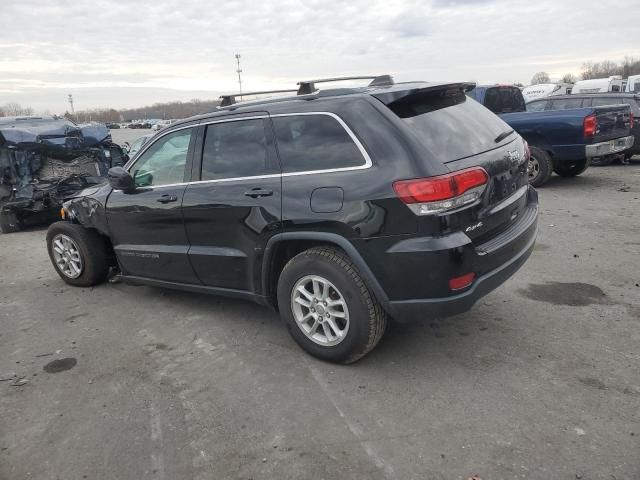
[451,125]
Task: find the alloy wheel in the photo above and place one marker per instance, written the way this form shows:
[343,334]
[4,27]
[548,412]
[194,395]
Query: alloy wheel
[320,310]
[67,256]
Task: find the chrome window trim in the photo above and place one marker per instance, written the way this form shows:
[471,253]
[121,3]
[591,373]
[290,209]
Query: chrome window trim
[367,159]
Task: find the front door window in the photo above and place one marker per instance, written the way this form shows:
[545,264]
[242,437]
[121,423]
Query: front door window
[164,162]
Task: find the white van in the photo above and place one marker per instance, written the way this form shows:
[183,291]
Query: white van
[600,85]
[633,84]
[541,90]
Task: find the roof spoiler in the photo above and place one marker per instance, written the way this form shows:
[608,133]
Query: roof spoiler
[393,96]
[307,87]
[230,99]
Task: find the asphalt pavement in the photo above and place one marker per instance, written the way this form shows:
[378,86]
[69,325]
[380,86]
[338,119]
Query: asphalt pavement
[541,380]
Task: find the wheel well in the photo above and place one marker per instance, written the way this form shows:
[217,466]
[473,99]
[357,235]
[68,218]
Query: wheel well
[283,252]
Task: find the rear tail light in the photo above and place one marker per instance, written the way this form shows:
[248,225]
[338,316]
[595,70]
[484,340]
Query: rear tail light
[427,196]
[590,126]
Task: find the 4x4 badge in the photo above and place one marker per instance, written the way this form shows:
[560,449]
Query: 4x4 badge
[471,228]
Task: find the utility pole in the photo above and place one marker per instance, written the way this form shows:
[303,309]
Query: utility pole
[71,103]
[239,70]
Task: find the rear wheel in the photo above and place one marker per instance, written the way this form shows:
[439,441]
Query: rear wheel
[573,169]
[79,255]
[328,309]
[540,167]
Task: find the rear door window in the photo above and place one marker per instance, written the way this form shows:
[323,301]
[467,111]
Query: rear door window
[566,103]
[311,142]
[538,106]
[450,125]
[504,100]
[236,149]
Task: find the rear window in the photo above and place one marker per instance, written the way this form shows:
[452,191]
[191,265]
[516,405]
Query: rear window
[504,99]
[314,142]
[566,103]
[602,101]
[451,125]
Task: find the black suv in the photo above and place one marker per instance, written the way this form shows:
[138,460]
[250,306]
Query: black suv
[564,102]
[338,207]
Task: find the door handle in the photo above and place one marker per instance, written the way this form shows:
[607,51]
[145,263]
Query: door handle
[258,192]
[167,198]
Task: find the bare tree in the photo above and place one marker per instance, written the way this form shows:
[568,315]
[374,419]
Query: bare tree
[13,109]
[569,78]
[603,69]
[540,77]
[630,66]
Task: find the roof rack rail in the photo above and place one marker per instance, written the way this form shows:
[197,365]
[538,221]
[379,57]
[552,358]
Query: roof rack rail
[230,99]
[307,87]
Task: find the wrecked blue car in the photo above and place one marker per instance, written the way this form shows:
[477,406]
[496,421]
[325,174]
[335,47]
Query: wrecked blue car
[45,160]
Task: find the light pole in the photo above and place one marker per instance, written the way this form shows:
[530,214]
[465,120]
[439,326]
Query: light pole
[239,70]
[71,103]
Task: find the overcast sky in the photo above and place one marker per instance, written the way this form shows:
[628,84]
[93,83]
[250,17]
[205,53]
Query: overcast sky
[127,53]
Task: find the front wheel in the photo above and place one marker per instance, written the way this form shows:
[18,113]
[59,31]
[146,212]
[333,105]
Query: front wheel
[572,169]
[79,255]
[328,309]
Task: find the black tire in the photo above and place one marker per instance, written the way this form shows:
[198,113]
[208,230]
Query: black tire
[602,161]
[10,222]
[367,319]
[572,169]
[540,167]
[93,252]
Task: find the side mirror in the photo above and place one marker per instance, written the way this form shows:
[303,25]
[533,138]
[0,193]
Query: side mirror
[120,179]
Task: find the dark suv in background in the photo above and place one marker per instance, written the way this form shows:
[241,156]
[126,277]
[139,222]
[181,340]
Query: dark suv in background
[338,207]
[564,102]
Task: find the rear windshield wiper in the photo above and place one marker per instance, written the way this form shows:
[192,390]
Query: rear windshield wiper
[502,136]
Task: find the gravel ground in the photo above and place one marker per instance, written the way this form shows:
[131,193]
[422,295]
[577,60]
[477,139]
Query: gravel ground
[541,380]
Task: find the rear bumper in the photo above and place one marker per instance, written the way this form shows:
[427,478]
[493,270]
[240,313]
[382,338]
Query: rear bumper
[610,147]
[405,311]
[504,254]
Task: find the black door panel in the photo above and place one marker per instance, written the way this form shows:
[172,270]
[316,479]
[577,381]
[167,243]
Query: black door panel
[148,233]
[225,226]
[236,207]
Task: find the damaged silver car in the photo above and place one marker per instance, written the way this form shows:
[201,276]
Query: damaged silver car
[45,160]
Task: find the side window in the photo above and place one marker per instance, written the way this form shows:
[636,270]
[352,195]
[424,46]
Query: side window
[314,142]
[602,101]
[236,149]
[537,106]
[566,103]
[164,162]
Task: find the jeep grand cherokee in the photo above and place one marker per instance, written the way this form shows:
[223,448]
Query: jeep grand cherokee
[341,208]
